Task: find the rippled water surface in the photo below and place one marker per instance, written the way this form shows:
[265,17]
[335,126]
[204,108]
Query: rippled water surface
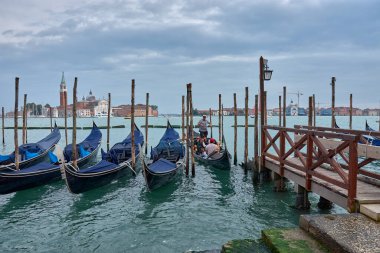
[193,213]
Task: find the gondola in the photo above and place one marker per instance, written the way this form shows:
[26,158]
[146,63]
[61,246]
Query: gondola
[220,160]
[166,160]
[31,153]
[49,171]
[114,164]
[374,141]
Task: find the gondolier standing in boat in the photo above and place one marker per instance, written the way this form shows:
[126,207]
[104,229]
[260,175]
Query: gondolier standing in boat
[202,124]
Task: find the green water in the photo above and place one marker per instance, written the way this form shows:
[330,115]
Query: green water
[194,213]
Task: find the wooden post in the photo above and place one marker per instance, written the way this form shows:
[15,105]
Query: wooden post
[279,112]
[74,142]
[350,123]
[284,107]
[108,122]
[65,112]
[265,108]
[210,122]
[246,131]
[24,121]
[310,118]
[133,123]
[220,118]
[146,122]
[352,175]
[191,131]
[256,137]
[314,112]
[183,118]
[333,102]
[2,125]
[222,123]
[17,158]
[235,130]
[51,118]
[188,145]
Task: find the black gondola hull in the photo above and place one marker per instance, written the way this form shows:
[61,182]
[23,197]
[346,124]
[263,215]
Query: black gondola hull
[222,163]
[81,182]
[16,182]
[154,180]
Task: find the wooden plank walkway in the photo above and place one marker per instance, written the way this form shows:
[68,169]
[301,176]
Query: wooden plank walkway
[366,193]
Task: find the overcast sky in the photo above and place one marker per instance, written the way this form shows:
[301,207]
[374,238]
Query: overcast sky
[215,45]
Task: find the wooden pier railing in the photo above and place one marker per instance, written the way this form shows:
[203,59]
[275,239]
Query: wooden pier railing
[313,147]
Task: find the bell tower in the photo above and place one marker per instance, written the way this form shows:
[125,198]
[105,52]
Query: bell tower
[62,91]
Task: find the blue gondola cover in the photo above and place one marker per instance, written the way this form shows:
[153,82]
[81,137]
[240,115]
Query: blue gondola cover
[162,166]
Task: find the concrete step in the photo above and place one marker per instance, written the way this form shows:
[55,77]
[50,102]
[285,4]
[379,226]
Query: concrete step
[371,210]
[291,240]
[353,233]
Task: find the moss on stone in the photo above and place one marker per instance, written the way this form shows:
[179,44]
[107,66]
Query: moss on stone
[243,246]
[290,241]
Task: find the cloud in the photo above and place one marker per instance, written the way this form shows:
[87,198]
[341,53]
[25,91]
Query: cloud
[214,44]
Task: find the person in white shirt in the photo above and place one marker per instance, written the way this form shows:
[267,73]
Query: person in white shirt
[203,124]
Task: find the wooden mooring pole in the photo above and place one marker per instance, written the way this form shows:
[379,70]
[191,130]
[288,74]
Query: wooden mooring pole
[65,112]
[350,121]
[183,118]
[256,136]
[74,142]
[265,108]
[310,113]
[146,122]
[284,107]
[133,123]
[279,112]
[108,122]
[2,125]
[235,130]
[192,131]
[17,158]
[188,145]
[220,118]
[51,118]
[210,122]
[222,123]
[246,131]
[333,102]
[314,112]
[24,121]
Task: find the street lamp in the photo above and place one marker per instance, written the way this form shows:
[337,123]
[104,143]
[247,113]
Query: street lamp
[265,75]
[267,71]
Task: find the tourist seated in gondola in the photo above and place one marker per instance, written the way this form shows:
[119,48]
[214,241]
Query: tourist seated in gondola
[203,153]
[212,148]
[202,124]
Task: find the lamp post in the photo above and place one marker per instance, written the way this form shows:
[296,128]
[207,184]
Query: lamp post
[265,75]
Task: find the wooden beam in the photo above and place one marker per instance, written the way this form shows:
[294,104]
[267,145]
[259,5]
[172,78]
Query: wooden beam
[17,158]
[235,130]
[74,142]
[133,149]
[146,122]
[109,122]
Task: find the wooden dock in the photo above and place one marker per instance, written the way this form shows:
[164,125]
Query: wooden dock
[327,161]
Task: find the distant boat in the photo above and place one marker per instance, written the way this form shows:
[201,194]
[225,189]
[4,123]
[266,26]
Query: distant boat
[102,114]
[252,116]
[128,117]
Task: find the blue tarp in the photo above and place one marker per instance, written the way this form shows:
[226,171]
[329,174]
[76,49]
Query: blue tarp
[37,167]
[162,166]
[99,167]
[53,158]
[36,148]
[121,151]
[89,144]
[169,145]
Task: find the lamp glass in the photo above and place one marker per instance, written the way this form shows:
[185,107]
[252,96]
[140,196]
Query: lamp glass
[267,74]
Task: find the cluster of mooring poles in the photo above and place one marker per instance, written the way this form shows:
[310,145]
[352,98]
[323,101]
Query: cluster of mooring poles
[257,165]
